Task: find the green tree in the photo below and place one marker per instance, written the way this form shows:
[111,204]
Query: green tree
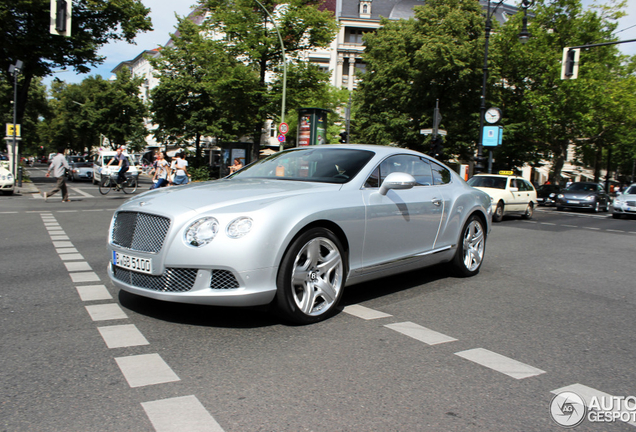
[24,31]
[437,55]
[203,90]
[249,35]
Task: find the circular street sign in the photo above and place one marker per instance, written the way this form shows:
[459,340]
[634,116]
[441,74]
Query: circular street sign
[283,128]
[281,138]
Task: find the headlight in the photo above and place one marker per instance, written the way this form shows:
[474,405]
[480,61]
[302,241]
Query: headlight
[201,231]
[589,198]
[560,196]
[239,227]
[9,176]
[552,195]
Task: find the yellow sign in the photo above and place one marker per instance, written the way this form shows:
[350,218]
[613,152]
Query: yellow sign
[506,173]
[10,130]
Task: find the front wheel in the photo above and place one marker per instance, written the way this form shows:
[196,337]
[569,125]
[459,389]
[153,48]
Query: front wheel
[130,185]
[597,207]
[529,212]
[105,185]
[311,277]
[499,211]
[470,248]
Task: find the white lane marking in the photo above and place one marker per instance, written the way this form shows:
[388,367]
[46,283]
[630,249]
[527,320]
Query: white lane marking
[145,369]
[68,211]
[420,333]
[364,312]
[77,266]
[53,232]
[106,312]
[81,192]
[84,277]
[527,221]
[570,226]
[613,230]
[9,212]
[59,237]
[500,363]
[50,226]
[62,244]
[547,223]
[180,414]
[120,336]
[66,250]
[93,292]
[592,228]
[587,393]
[71,257]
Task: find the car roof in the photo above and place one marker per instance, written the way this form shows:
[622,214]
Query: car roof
[498,175]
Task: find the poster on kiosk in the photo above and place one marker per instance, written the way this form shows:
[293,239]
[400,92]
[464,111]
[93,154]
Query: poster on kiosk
[312,126]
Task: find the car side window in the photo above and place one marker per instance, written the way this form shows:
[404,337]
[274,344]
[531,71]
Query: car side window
[374,179]
[441,175]
[418,167]
[528,186]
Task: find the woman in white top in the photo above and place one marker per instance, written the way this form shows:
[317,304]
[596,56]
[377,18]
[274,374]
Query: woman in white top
[180,170]
[161,172]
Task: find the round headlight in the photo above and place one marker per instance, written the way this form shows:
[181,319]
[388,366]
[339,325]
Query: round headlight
[560,196]
[239,227]
[552,195]
[201,232]
[590,198]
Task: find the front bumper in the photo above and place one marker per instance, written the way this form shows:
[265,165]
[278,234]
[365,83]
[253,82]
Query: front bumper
[623,207]
[568,203]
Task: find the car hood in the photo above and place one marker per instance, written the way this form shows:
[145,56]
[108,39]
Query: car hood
[237,193]
[627,197]
[577,194]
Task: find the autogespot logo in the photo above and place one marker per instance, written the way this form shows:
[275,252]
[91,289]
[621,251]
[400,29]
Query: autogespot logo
[568,409]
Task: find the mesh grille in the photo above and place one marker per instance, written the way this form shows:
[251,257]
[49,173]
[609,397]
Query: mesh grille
[223,279]
[631,203]
[172,280]
[140,231]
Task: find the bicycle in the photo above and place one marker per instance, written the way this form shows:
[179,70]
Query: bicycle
[110,182]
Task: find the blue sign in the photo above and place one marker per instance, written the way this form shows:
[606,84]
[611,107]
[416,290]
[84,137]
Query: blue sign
[492,136]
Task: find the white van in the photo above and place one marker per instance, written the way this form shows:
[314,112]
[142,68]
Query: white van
[102,159]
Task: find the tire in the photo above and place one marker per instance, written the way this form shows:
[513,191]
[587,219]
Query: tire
[529,212]
[130,186]
[105,185]
[597,207]
[311,277]
[470,248]
[499,211]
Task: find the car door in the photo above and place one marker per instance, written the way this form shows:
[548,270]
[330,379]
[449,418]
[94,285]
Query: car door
[515,202]
[402,223]
[525,194]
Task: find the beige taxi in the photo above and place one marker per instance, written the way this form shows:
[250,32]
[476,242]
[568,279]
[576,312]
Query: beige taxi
[509,194]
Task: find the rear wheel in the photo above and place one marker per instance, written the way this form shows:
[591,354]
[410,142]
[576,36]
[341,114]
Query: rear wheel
[529,212]
[105,185]
[470,248]
[597,207]
[311,277]
[130,185]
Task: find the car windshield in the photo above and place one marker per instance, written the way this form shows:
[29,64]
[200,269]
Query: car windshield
[582,187]
[315,164]
[488,182]
[631,190]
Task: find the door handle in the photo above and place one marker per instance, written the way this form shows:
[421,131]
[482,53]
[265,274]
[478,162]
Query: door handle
[436,201]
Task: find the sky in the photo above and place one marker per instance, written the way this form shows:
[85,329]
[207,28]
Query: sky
[162,13]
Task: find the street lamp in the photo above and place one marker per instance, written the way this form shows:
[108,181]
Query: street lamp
[282,47]
[524,35]
[15,70]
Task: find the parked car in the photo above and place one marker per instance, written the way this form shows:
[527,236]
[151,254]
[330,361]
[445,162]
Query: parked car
[80,168]
[295,228]
[509,194]
[7,181]
[625,202]
[583,195]
[100,168]
[547,194]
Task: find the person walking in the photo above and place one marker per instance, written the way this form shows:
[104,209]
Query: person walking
[123,165]
[160,178]
[180,167]
[58,165]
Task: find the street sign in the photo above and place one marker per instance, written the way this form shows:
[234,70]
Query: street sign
[492,136]
[441,132]
[10,130]
[283,128]
[281,138]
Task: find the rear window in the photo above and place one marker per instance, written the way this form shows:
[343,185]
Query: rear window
[488,182]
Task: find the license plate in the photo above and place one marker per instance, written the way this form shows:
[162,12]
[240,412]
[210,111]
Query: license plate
[142,265]
[572,202]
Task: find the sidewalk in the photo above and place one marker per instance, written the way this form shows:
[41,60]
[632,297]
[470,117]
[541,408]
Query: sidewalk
[26,188]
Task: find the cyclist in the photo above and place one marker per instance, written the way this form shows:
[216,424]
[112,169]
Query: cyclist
[122,159]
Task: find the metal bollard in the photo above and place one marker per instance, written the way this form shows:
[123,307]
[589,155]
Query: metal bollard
[20,176]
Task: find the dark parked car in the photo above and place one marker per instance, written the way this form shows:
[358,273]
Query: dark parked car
[585,195]
[547,194]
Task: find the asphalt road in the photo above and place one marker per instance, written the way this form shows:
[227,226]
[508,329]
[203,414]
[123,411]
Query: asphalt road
[552,308]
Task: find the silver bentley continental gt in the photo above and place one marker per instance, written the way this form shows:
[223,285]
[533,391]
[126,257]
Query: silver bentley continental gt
[294,229]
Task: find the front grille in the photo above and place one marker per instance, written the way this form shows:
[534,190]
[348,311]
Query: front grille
[223,279]
[172,280]
[139,231]
[631,203]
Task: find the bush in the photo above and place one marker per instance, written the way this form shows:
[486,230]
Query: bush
[199,174]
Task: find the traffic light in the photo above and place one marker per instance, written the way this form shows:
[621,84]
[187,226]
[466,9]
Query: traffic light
[570,63]
[437,147]
[344,137]
[61,17]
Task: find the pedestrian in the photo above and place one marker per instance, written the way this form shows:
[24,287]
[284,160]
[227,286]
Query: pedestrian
[123,165]
[568,183]
[161,172]
[58,165]
[180,168]
[236,166]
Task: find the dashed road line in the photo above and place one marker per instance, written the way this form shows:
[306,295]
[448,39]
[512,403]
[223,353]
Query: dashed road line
[364,312]
[106,312]
[146,369]
[84,277]
[76,266]
[122,336]
[422,334]
[178,414]
[93,292]
[500,363]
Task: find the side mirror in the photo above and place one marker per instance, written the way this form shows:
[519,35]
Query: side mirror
[514,189]
[397,180]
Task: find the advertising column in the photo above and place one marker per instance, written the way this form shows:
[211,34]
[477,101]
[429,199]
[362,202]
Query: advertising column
[312,126]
